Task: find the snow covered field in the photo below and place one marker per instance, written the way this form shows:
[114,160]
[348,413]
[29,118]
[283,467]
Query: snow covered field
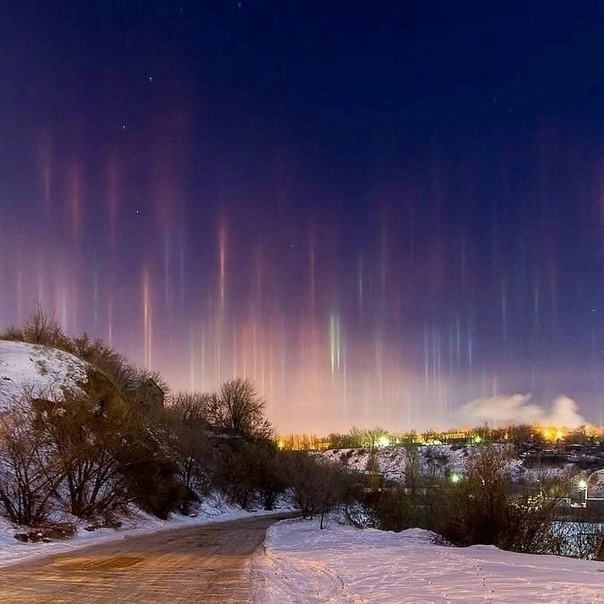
[303,564]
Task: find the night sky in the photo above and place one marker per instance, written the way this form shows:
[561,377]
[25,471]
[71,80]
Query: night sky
[379,211]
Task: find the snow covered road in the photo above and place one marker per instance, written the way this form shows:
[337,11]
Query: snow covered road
[203,563]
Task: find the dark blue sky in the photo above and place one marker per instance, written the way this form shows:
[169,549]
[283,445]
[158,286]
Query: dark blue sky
[377,210]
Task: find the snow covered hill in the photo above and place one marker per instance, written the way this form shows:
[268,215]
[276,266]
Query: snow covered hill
[392,462]
[41,370]
[433,460]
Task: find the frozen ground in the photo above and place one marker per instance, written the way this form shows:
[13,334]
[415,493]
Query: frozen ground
[302,564]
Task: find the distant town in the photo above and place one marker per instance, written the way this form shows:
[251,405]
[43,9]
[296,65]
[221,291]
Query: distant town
[558,443]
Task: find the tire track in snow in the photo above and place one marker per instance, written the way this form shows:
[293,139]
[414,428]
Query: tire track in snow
[295,580]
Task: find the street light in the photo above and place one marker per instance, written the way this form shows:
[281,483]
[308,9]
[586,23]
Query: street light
[383,441]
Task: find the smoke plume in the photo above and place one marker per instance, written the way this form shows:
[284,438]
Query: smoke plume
[518,409]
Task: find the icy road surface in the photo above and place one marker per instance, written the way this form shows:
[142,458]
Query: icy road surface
[204,563]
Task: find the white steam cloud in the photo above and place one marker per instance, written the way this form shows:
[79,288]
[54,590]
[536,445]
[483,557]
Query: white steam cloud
[518,409]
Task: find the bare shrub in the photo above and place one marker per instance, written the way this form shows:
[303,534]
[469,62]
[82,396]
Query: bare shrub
[317,487]
[184,434]
[152,481]
[106,359]
[44,330]
[29,470]
[192,408]
[151,474]
[40,329]
[102,438]
[247,472]
[13,334]
[392,509]
[87,430]
[406,506]
[487,506]
[414,479]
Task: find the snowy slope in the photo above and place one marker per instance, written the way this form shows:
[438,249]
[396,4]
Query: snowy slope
[41,370]
[392,461]
[341,564]
[434,460]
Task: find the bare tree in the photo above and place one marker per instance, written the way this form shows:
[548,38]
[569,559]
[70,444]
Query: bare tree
[29,470]
[239,409]
[192,408]
[87,431]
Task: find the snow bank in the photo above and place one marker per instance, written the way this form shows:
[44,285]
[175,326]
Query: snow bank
[341,564]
